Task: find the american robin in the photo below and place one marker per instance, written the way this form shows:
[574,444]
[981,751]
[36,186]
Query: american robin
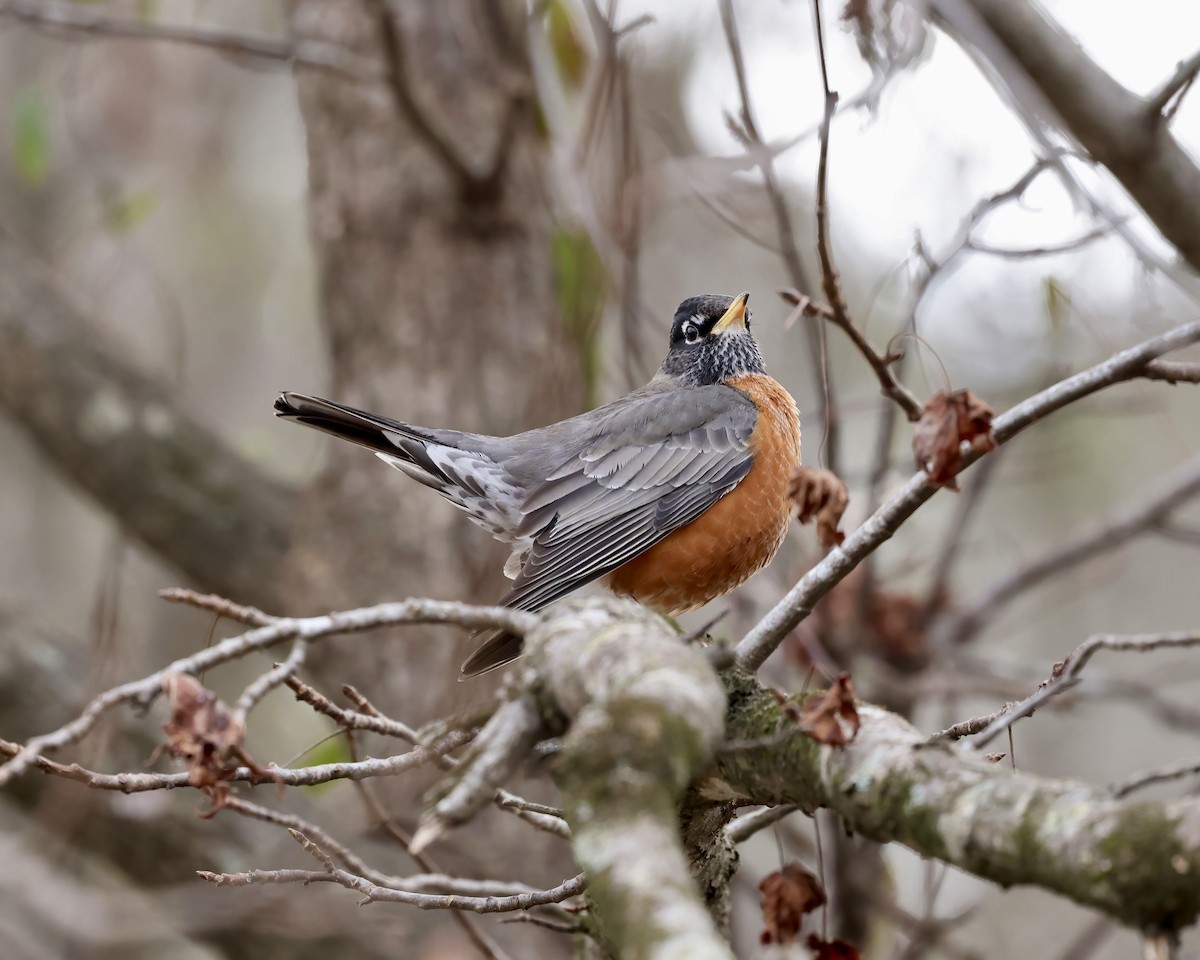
[673,495]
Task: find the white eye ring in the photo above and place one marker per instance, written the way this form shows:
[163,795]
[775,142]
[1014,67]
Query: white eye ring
[691,332]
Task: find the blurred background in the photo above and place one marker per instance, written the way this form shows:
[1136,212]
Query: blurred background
[482,215]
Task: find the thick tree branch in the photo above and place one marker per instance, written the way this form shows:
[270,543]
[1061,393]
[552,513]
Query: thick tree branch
[1173,89]
[121,437]
[1025,47]
[1136,862]
[645,718]
[1129,364]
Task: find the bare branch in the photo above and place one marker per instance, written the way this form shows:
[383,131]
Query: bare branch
[1043,250]
[250,616]
[547,819]
[1176,771]
[746,130]
[285,776]
[72,19]
[746,826]
[1177,85]
[1179,487]
[1040,63]
[349,719]
[950,805]
[145,690]
[501,746]
[889,385]
[426,901]
[633,695]
[1172,371]
[268,681]
[416,883]
[762,640]
[1066,675]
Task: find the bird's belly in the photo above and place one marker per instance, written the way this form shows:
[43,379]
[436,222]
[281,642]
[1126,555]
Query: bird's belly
[739,534]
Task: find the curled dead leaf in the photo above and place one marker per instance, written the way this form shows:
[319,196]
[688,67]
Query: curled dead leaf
[831,718]
[205,734]
[787,895]
[823,495]
[947,421]
[832,949]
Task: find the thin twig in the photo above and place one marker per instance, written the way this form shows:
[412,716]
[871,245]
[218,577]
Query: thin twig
[250,616]
[1177,488]
[1177,771]
[1173,371]
[830,283]
[1044,250]
[144,691]
[1184,76]
[273,678]
[428,901]
[74,19]
[286,776]
[769,632]
[547,819]
[350,719]
[1066,675]
[505,742]
[747,825]
[745,128]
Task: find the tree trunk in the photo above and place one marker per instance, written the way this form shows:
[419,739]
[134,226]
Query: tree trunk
[430,218]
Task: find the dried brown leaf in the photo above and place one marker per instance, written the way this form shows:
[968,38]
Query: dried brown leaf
[832,949]
[787,895]
[831,718]
[820,494]
[947,420]
[204,733]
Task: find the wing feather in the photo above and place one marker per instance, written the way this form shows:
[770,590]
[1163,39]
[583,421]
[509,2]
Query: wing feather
[655,470]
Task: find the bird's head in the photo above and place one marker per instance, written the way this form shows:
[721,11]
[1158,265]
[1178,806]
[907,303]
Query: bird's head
[711,341]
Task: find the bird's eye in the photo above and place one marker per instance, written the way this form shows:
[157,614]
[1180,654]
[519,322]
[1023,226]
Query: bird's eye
[691,332]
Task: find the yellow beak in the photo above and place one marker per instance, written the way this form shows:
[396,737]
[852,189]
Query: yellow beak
[735,316]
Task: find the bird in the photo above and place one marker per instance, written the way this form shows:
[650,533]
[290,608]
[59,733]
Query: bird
[673,494]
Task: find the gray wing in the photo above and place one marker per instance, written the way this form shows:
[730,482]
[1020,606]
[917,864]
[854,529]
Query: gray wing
[657,462]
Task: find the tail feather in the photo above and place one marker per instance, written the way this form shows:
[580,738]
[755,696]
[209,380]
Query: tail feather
[497,650]
[446,460]
[377,433]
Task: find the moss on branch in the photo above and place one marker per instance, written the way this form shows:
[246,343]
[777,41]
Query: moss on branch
[1138,862]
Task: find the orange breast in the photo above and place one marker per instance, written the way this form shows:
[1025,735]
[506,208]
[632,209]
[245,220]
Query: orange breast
[740,533]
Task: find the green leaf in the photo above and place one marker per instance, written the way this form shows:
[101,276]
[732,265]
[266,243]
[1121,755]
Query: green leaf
[1058,302]
[333,750]
[581,283]
[570,55]
[125,213]
[30,139]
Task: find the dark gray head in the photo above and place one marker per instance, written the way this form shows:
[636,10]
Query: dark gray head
[711,341]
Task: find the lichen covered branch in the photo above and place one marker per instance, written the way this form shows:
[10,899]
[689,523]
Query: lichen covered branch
[645,717]
[1135,861]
